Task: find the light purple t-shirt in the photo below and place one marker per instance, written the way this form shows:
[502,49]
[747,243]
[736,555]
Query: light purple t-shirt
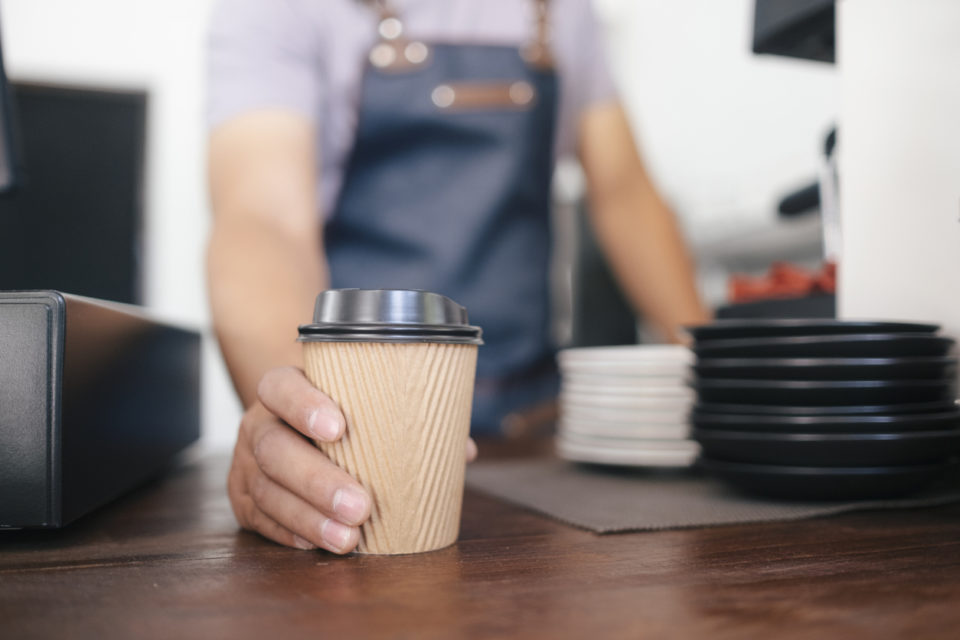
[309,56]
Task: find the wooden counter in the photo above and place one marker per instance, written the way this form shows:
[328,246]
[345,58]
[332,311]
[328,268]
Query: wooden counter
[169,562]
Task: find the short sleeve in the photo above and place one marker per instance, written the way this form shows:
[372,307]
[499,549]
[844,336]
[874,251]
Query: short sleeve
[585,74]
[260,54]
[598,85]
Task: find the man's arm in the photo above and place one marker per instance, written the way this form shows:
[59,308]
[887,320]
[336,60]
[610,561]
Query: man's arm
[265,263]
[265,266]
[635,227]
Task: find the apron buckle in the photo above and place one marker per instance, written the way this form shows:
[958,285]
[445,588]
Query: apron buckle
[399,55]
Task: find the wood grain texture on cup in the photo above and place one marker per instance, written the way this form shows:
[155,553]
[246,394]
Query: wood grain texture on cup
[407,407]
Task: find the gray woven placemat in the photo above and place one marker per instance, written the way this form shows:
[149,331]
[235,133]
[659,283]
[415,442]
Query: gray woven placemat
[608,500]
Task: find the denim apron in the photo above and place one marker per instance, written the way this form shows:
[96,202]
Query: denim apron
[447,189]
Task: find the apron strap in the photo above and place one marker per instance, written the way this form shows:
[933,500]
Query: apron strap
[537,53]
[394,26]
[393,51]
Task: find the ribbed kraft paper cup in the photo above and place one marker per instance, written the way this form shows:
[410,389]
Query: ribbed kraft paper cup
[407,401]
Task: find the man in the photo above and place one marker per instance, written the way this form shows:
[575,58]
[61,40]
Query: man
[407,144]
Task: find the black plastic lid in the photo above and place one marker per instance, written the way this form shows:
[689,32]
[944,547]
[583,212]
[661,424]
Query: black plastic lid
[388,315]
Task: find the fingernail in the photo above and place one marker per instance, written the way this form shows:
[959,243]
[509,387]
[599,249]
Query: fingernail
[300,543]
[350,504]
[324,426]
[335,534]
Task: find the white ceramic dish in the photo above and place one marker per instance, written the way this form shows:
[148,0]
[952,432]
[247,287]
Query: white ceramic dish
[633,444]
[625,368]
[665,391]
[630,457]
[639,402]
[633,352]
[621,417]
[635,382]
[592,429]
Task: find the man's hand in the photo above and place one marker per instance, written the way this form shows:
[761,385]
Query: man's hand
[280,484]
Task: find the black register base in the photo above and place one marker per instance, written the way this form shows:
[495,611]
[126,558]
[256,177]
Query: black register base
[95,398]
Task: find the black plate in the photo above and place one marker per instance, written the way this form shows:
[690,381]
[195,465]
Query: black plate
[824,483]
[733,329]
[827,424]
[868,345]
[829,449]
[828,368]
[827,393]
[839,410]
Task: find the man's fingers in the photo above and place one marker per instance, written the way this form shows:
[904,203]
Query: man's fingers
[302,469]
[288,394]
[471,450]
[255,520]
[303,519]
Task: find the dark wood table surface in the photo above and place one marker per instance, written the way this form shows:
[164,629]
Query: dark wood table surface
[169,562]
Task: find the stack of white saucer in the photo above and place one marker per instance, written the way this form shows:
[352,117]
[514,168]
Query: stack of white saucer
[626,406]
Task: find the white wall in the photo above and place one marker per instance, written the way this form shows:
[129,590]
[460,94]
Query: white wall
[899,162]
[724,131]
[157,46]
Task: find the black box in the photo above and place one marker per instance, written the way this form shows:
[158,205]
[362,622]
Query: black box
[819,305]
[95,398]
[796,28]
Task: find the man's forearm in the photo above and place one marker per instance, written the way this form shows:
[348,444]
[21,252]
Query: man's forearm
[649,256]
[264,260]
[636,229]
[262,286]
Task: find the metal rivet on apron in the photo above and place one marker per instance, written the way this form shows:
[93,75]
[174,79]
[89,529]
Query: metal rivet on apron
[416,52]
[521,93]
[383,55]
[443,96]
[390,28]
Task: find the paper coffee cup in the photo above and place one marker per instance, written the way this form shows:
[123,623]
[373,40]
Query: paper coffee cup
[401,366]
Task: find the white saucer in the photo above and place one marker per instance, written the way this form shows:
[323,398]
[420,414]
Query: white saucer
[592,429]
[594,380]
[624,417]
[659,391]
[632,444]
[638,402]
[626,457]
[628,353]
[625,368]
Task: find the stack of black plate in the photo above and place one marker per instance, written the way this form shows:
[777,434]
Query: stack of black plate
[825,409]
